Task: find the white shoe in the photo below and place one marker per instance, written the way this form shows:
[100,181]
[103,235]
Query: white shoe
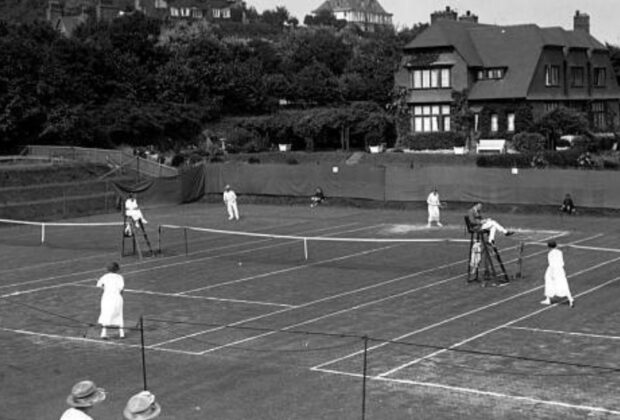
[230,218]
[439,224]
[545,302]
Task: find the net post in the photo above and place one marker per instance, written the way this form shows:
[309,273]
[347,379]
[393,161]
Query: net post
[186,244]
[306,248]
[159,240]
[42,233]
[365,370]
[143,352]
[520,261]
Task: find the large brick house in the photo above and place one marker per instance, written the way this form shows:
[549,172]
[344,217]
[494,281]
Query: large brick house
[366,14]
[498,71]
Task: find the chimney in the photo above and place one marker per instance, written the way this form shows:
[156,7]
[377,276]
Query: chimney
[447,14]
[468,17]
[581,22]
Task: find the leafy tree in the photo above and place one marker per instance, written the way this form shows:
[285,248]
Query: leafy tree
[325,18]
[559,122]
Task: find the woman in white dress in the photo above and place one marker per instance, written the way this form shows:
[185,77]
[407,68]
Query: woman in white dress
[556,284]
[433,207]
[111,314]
[133,211]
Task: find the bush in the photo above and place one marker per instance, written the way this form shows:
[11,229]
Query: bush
[559,159]
[585,144]
[253,159]
[529,142]
[521,160]
[292,161]
[242,140]
[372,139]
[177,161]
[432,141]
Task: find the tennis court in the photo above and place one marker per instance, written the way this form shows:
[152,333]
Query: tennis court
[290,323]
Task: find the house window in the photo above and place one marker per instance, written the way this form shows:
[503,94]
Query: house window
[476,122]
[480,75]
[598,114]
[510,122]
[550,106]
[494,123]
[226,13]
[495,73]
[600,76]
[427,118]
[174,11]
[431,78]
[216,13]
[160,4]
[185,12]
[196,13]
[577,76]
[552,75]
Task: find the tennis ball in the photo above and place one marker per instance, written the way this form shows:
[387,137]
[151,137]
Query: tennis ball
[240,263]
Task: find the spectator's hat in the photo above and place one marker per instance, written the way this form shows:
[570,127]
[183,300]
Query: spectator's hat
[227,187]
[142,406]
[85,394]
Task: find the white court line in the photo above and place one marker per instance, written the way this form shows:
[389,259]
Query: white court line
[183,262]
[90,340]
[146,261]
[576,334]
[595,248]
[445,321]
[529,400]
[149,292]
[507,324]
[352,308]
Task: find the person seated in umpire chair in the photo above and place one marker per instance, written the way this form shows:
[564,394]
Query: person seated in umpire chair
[476,222]
[133,212]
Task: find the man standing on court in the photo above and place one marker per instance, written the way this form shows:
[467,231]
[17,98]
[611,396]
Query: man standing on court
[556,284]
[433,207]
[484,223]
[230,200]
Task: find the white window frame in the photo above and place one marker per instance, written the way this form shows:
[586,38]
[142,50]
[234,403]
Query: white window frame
[436,78]
[510,122]
[431,118]
[494,123]
[174,11]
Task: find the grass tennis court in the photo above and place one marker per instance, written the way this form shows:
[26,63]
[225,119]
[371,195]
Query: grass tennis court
[245,327]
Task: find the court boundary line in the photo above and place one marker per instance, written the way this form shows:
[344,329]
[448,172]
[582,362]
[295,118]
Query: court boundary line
[416,289]
[571,333]
[164,294]
[444,321]
[509,323]
[529,400]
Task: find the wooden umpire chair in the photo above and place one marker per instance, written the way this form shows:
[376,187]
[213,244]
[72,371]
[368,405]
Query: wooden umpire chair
[130,231]
[476,234]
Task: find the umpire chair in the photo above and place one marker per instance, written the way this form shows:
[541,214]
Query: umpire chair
[130,231]
[479,252]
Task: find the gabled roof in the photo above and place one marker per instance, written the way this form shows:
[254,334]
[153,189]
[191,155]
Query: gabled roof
[516,48]
[369,6]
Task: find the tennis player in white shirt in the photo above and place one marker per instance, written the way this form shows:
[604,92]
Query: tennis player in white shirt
[230,200]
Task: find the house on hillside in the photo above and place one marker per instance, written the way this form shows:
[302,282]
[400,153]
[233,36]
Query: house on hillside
[366,14]
[500,71]
[66,15]
[211,10]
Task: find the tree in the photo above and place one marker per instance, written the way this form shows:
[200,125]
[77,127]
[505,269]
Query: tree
[559,122]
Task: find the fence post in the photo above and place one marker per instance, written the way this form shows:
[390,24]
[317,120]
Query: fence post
[365,370]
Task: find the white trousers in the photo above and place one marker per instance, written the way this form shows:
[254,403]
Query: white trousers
[233,211]
[492,226]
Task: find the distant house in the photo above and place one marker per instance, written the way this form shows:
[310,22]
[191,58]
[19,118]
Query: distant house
[65,15]
[501,69]
[211,10]
[366,14]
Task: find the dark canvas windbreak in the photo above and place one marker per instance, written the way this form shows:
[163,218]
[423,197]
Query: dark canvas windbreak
[599,189]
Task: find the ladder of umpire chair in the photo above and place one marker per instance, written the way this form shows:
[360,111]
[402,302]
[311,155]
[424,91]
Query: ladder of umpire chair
[481,236]
[131,224]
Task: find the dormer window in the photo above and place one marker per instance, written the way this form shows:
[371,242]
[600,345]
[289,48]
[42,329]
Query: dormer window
[490,74]
[600,76]
[552,75]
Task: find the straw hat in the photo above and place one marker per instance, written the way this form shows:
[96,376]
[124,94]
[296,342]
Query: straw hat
[142,406]
[85,394]
[227,187]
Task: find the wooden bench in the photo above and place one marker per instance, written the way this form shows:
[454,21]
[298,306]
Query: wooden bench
[491,145]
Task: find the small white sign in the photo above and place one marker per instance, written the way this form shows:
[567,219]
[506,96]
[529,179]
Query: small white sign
[515,171]
[335,169]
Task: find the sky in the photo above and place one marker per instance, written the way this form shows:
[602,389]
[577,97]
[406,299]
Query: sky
[604,14]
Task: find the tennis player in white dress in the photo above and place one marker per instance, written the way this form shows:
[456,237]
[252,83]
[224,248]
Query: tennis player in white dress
[111,314]
[433,207]
[556,284]
[230,200]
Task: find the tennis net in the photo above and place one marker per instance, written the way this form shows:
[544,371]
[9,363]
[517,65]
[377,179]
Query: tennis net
[289,248]
[69,235]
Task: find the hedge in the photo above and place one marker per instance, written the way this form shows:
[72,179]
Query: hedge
[561,159]
[432,141]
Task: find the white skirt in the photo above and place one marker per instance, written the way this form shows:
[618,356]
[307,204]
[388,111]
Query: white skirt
[111,310]
[556,284]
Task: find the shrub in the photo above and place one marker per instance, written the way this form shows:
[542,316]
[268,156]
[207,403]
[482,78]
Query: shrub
[529,142]
[432,141]
[372,139]
[253,159]
[585,144]
[292,161]
[242,140]
[520,160]
[177,161]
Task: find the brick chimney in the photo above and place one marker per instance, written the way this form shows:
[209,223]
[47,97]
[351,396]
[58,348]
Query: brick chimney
[581,22]
[468,17]
[447,14]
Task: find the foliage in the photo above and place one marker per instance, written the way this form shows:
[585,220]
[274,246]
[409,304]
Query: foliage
[559,159]
[432,141]
[529,142]
[559,122]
